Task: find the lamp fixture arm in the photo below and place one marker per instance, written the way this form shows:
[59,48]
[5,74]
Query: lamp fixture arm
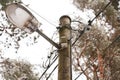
[48,39]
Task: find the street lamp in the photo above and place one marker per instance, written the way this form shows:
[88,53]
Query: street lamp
[23,19]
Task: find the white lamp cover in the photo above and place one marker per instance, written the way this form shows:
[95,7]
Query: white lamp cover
[21,17]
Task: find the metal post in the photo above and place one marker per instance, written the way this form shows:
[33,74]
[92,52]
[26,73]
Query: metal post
[64,67]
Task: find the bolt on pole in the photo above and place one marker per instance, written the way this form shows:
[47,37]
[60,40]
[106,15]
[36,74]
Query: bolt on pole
[64,64]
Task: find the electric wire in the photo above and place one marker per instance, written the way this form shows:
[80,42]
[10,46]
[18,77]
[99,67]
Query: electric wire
[52,72]
[48,67]
[53,58]
[103,51]
[115,40]
[57,64]
[89,23]
[57,55]
[40,16]
[118,37]
[81,33]
[81,74]
[84,70]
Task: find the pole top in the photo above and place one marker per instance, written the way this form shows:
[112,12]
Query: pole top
[65,20]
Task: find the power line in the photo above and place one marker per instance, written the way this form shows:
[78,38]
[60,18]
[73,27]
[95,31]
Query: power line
[118,37]
[48,67]
[89,23]
[84,70]
[115,40]
[81,73]
[52,72]
[81,33]
[40,16]
[103,51]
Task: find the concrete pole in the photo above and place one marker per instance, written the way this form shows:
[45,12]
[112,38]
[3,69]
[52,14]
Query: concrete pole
[64,67]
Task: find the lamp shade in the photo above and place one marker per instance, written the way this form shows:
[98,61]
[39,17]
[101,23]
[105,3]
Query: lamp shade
[21,17]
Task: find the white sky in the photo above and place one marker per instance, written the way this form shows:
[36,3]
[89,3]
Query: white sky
[51,10]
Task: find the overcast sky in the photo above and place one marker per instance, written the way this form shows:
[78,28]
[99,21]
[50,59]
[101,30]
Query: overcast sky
[51,11]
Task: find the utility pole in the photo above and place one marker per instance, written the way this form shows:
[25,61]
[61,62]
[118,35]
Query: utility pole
[64,64]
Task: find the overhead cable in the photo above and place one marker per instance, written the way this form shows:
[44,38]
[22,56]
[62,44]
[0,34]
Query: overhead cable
[40,16]
[52,72]
[48,67]
[89,23]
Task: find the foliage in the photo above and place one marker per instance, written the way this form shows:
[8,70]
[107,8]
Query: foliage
[115,3]
[5,2]
[96,54]
[92,45]
[15,70]
[10,38]
[12,34]
[110,12]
